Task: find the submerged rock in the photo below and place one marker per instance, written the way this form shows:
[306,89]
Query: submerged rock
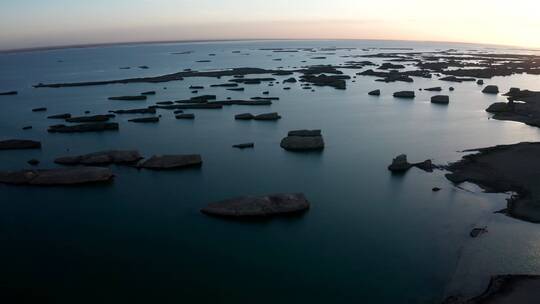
[88,127]
[303,140]
[19,144]
[57,177]
[169,162]
[476,232]
[505,289]
[259,206]
[102,158]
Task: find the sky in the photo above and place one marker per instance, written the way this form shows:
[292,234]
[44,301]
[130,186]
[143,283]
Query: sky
[41,23]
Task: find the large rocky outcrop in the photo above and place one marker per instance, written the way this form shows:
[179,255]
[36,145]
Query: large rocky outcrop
[303,140]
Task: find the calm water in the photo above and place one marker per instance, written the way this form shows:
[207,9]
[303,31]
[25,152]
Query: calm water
[370,237]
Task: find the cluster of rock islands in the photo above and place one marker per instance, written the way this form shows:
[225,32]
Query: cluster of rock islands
[514,168]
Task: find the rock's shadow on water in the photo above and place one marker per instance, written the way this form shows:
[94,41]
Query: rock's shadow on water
[288,218]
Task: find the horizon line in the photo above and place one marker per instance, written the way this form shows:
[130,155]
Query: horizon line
[127,43]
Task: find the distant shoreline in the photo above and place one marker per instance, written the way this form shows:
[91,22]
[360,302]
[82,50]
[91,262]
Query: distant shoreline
[134,43]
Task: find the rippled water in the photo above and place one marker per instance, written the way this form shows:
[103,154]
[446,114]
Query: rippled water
[369,237]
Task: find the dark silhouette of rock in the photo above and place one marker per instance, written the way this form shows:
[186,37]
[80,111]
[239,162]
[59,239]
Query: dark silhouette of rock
[267,116]
[102,158]
[440,99]
[149,93]
[244,145]
[243,102]
[480,82]
[457,79]
[400,164]
[60,116]
[88,127]
[202,98]
[27,127]
[9,93]
[137,97]
[170,162]
[225,85]
[335,81]
[19,144]
[491,89]
[185,116]
[303,140]
[259,206]
[290,80]
[152,119]
[436,189]
[375,93]
[93,118]
[404,94]
[33,162]
[388,66]
[434,89]
[57,177]
[136,111]
[476,232]
[244,116]
[39,109]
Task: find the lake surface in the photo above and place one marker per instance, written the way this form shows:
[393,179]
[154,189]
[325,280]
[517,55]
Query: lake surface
[369,237]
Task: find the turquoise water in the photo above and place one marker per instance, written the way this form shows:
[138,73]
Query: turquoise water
[369,237]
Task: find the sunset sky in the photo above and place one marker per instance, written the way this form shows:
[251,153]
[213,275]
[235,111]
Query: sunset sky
[36,23]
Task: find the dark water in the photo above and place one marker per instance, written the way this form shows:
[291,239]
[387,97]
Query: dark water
[369,237]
